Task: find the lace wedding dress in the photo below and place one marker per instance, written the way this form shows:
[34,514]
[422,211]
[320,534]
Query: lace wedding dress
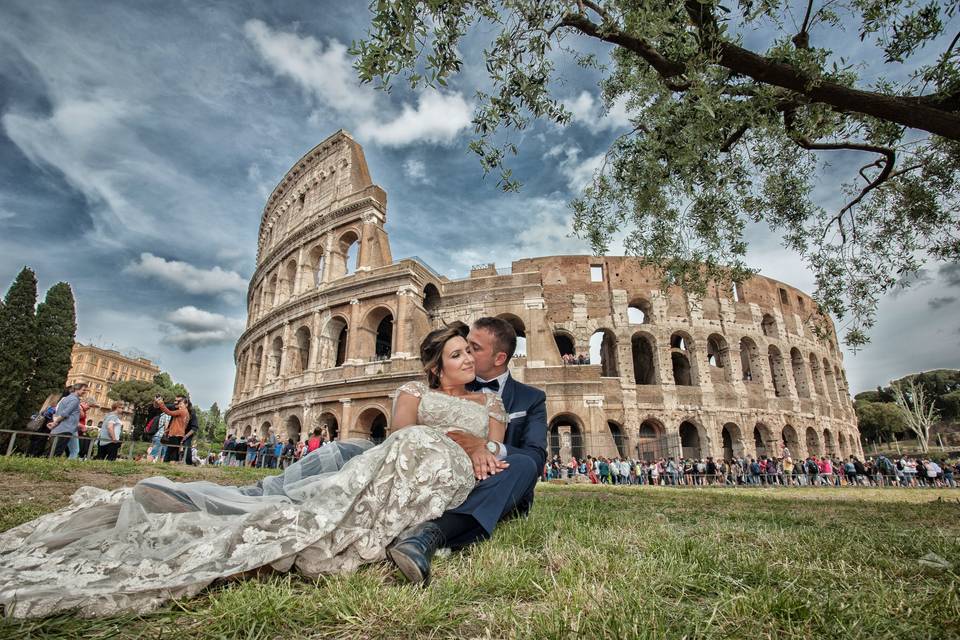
[107,553]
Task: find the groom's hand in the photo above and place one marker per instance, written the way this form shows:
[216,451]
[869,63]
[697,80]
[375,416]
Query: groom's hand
[485,464]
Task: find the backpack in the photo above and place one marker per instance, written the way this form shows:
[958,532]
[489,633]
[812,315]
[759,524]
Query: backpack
[151,427]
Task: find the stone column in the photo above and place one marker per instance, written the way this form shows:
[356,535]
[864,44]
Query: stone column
[402,328]
[353,334]
[345,417]
[315,340]
[264,362]
[297,285]
[328,257]
[285,352]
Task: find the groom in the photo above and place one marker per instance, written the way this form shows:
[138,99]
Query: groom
[507,471]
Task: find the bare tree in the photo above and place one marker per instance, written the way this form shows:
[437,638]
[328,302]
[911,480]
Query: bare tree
[918,407]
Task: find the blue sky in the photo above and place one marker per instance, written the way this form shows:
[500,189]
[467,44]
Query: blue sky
[139,140]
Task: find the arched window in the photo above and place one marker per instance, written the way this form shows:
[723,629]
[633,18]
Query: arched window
[799,373]
[815,376]
[813,442]
[778,372]
[603,351]
[790,440]
[749,360]
[718,357]
[651,440]
[732,441]
[270,292]
[681,346]
[290,279]
[690,446]
[642,346]
[564,343]
[372,424]
[520,329]
[566,437]
[345,255]
[328,425]
[384,346]
[276,357]
[639,311]
[315,266]
[769,326]
[377,334]
[431,299]
[293,428]
[302,360]
[333,343]
[256,364]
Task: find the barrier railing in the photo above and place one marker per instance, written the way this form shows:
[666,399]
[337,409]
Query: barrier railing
[41,444]
[681,479]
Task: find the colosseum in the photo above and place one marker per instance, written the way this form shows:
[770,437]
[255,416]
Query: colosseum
[334,324]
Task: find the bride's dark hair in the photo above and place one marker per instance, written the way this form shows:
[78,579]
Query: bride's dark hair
[431,349]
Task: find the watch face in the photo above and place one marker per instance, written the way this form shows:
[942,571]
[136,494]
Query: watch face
[491,447]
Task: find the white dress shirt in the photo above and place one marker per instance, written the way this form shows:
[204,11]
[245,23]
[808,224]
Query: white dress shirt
[501,380]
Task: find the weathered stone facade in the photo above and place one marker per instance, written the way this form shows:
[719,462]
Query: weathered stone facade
[731,373]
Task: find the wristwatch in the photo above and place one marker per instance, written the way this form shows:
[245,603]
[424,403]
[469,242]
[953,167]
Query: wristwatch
[493,447]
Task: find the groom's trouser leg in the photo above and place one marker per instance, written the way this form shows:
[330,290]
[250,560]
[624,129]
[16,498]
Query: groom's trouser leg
[491,500]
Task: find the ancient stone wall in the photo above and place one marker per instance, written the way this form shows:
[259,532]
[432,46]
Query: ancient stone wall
[334,327]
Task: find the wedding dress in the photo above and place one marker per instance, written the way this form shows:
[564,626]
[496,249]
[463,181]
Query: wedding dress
[108,552]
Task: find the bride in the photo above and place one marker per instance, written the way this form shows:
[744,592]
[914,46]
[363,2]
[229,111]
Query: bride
[134,549]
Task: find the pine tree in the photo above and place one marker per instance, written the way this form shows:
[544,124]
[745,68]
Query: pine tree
[56,330]
[17,337]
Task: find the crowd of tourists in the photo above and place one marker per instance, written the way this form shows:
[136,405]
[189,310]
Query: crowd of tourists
[267,452]
[569,358]
[879,471]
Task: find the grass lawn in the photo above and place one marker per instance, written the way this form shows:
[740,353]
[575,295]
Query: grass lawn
[590,562]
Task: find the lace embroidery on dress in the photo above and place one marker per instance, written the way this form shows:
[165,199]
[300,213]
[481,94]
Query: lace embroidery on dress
[495,408]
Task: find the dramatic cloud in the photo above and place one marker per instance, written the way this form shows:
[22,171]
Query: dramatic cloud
[579,173]
[950,273]
[195,328]
[438,118]
[940,302]
[323,72]
[591,113]
[187,277]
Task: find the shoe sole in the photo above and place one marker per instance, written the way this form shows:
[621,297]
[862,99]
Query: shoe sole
[407,567]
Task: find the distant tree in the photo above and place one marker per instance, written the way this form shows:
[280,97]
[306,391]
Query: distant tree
[17,340]
[918,408]
[879,420]
[735,108]
[56,329]
[216,426]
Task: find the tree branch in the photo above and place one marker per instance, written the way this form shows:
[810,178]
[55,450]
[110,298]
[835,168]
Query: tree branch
[734,138]
[802,39]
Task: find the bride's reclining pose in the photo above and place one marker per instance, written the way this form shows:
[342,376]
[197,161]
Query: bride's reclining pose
[449,471]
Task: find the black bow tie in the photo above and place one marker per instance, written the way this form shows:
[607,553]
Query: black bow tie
[493,385]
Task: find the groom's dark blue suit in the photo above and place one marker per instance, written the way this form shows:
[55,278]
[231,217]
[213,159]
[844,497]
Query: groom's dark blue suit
[510,492]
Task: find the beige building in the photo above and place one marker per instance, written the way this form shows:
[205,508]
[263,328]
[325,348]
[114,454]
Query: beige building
[334,324]
[101,368]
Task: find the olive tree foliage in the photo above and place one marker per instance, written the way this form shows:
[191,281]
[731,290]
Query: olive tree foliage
[723,134]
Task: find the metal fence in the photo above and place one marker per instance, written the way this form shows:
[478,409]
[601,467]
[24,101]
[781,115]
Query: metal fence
[777,480]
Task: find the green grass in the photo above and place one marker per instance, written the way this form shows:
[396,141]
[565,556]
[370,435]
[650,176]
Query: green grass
[601,562]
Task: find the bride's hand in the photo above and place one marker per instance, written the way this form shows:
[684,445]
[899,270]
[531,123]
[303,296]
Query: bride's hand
[485,464]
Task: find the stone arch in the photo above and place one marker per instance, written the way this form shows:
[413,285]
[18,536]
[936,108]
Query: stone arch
[603,351]
[768,325]
[565,435]
[777,372]
[431,298]
[346,247]
[371,424]
[294,429]
[640,311]
[300,361]
[750,359]
[831,385]
[247,431]
[376,333]
[799,373]
[520,329]
[764,441]
[254,304]
[812,442]
[329,424]
[815,376]
[619,437]
[314,267]
[566,345]
[289,280]
[256,365]
[732,439]
[276,357]
[333,343]
[650,439]
[682,359]
[718,356]
[829,444]
[270,291]
[841,382]
[692,439]
[790,439]
[643,346]
[265,428]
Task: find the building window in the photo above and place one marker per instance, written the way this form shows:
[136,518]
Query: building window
[596,273]
[783,297]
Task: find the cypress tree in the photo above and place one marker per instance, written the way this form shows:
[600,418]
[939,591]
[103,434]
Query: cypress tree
[17,339]
[56,330]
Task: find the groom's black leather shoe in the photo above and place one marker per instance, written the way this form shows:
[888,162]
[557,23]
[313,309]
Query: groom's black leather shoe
[413,550]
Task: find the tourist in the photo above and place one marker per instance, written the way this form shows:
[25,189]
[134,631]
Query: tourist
[66,421]
[108,442]
[176,429]
[191,430]
[314,441]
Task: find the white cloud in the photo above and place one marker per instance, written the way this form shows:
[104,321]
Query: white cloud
[579,173]
[324,72]
[186,276]
[416,171]
[438,118]
[592,113]
[194,328]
